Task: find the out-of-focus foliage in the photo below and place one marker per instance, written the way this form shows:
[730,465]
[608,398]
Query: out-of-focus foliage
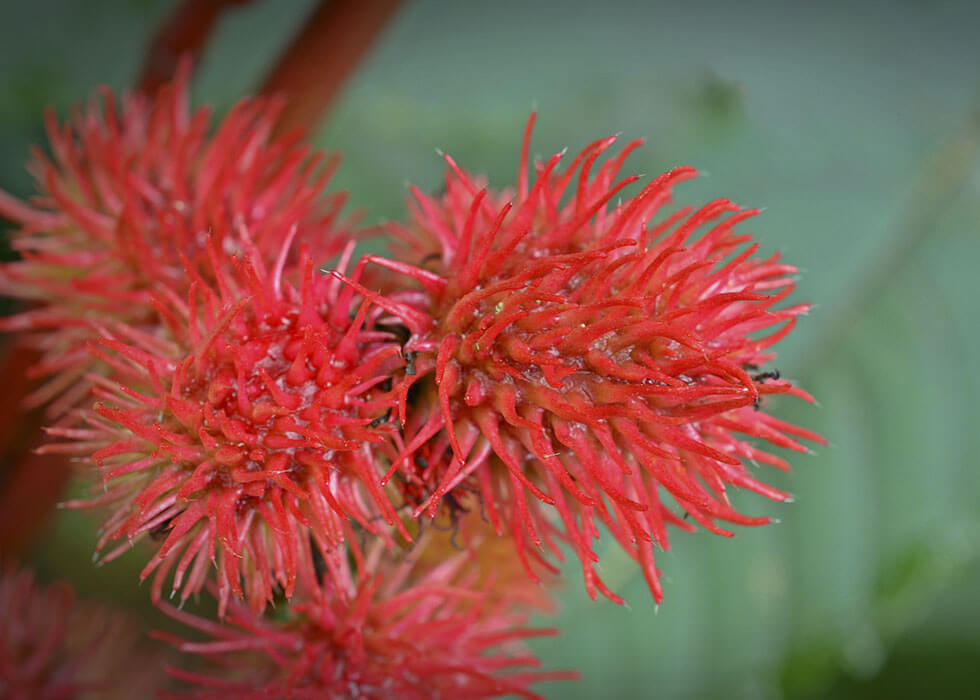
[855,124]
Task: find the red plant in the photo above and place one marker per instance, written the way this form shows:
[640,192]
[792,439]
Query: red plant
[589,356]
[131,191]
[52,646]
[260,424]
[259,418]
[425,623]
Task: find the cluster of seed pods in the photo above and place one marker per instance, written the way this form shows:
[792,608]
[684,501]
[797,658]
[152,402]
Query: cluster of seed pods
[269,417]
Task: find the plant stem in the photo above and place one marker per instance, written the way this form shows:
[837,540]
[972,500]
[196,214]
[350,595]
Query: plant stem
[185,33]
[30,484]
[320,59]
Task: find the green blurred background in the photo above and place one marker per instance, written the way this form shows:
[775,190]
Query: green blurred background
[857,127]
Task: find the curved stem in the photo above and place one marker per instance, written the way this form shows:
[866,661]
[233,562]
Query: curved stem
[185,33]
[321,58]
[30,484]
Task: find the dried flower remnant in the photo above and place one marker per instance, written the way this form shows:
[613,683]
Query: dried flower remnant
[129,190]
[427,623]
[584,354]
[52,646]
[254,431]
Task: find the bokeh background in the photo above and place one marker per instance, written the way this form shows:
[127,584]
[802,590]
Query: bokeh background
[855,124]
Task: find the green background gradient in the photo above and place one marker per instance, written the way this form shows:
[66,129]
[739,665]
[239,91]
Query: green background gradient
[855,125]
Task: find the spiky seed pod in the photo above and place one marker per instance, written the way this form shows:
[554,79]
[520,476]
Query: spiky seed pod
[127,192]
[428,623]
[261,425]
[591,357]
[486,494]
[53,646]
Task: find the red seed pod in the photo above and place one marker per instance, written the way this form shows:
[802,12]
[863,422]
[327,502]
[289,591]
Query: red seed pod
[597,356]
[54,646]
[432,622]
[256,433]
[132,190]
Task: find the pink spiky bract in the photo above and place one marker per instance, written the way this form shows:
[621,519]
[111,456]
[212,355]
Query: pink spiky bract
[129,192]
[581,352]
[426,623]
[54,646]
[252,435]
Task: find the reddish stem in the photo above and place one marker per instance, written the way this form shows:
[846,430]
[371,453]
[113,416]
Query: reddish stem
[28,499]
[30,484]
[321,58]
[184,34]
[15,361]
